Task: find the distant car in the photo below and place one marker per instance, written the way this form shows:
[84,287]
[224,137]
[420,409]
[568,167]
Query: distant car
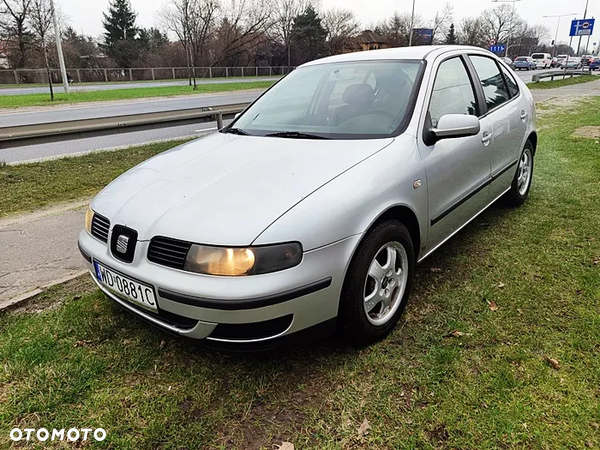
[542,60]
[560,59]
[586,59]
[595,64]
[572,62]
[524,63]
[509,62]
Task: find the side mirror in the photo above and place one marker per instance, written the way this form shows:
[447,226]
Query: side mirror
[453,126]
[236,116]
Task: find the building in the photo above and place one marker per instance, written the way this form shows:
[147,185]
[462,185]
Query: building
[367,40]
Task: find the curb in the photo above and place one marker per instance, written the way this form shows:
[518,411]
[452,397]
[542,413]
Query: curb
[15,301]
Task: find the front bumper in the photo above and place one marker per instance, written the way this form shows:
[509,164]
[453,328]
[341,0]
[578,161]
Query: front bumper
[233,310]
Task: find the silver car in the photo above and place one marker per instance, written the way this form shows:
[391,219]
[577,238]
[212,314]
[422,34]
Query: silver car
[312,208]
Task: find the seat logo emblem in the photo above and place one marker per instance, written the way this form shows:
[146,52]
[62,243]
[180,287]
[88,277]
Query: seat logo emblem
[122,244]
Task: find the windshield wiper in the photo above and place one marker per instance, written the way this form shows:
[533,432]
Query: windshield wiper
[236,131]
[296,135]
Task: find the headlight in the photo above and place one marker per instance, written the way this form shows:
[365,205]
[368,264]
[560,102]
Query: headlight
[89,215]
[242,261]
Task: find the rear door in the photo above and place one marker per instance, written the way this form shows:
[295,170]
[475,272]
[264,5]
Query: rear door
[457,169]
[508,113]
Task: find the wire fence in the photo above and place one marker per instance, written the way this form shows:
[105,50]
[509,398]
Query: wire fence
[101,75]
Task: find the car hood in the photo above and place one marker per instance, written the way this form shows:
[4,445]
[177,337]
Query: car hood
[226,189]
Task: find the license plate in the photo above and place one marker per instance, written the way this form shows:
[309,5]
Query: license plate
[125,287]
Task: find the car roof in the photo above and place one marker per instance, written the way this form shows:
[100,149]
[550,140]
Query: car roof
[418,52]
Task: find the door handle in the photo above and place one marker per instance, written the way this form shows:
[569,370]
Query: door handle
[524,115]
[486,138]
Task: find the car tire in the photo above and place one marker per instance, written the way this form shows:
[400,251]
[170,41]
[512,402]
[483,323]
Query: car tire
[519,188]
[375,292]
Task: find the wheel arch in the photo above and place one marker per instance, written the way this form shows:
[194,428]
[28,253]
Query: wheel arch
[533,138]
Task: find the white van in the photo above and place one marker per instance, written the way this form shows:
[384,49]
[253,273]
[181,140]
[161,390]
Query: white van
[542,60]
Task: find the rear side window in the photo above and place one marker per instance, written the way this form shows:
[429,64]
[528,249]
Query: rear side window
[513,87]
[452,91]
[494,87]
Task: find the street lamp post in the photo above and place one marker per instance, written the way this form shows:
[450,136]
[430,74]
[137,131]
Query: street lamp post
[412,24]
[557,26]
[512,21]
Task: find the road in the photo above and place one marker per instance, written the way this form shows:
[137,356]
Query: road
[134,85]
[112,109]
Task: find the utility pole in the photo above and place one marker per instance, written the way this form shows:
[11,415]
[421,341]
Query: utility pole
[61,58]
[584,17]
[412,24]
[557,27]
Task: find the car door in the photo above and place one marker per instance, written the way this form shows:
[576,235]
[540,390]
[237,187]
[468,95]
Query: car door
[507,112]
[457,169]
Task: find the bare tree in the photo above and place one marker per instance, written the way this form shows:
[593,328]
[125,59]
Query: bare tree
[397,28]
[284,14]
[471,31]
[341,26]
[243,25]
[192,22]
[40,21]
[500,22]
[13,25]
[441,23]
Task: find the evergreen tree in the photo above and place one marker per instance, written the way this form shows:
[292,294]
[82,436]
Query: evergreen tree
[120,34]
[308,36]
[451,36]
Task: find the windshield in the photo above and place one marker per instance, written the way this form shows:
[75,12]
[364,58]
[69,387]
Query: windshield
[521,59]
[356,100]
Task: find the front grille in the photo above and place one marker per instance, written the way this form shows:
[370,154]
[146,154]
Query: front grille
[168,252]
[100,227]
[122,245]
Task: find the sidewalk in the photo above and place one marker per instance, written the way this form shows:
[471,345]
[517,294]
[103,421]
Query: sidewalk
[39,249]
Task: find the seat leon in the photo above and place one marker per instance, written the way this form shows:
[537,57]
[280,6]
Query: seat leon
[311,209]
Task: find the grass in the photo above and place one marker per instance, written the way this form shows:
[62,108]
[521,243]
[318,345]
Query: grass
[562,82]
[71,358]
[29,187]
[20,101]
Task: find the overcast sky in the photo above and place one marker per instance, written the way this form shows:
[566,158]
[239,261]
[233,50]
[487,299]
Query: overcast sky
[86,15]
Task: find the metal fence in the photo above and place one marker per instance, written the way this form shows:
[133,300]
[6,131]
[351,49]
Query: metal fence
[100,75]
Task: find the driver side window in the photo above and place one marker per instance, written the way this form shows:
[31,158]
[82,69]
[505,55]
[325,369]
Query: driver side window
[452,91]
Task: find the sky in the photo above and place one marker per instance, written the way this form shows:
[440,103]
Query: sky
[86,15]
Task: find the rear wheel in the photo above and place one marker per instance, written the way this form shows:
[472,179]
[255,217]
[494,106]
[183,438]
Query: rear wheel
[521,184]
[378,283]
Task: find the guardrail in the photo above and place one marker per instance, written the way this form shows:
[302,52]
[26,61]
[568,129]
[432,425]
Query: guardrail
[15,135]
[558,73]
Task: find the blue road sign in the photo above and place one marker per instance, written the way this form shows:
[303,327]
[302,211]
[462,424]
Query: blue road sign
[497,48]
[582,27]
[424,35]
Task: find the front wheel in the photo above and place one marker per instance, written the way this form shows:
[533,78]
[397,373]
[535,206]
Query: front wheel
[377,284]
[521,184]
